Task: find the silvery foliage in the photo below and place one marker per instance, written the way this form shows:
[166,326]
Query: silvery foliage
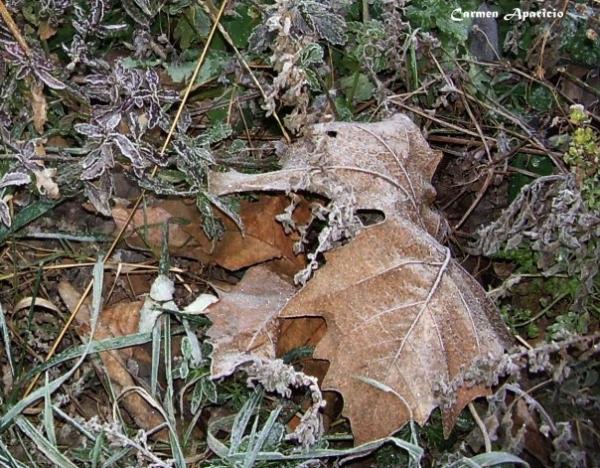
[193,157]
[25,154]
[102,140]
[133,95]
[305,17]
[89,23]
[54,10]
[551,215]
[36,64]
[89,20]
[128,90]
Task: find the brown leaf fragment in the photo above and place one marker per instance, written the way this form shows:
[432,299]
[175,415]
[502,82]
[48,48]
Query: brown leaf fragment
[263,239]
[45,30]
[403,320]
[386,166]
[244,325]
[146,228]
[39,107]
[119,320]
[402,313]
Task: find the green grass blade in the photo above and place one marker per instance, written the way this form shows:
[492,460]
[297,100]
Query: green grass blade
[48,415]
[95,347]
[170,409]
[224,452]
[97,451]
[6,458]
[262,437]
[27,215]
[497,458]
[242,419]
[156,339]
[15,410]
[6,340]
[112,461]
[43,444]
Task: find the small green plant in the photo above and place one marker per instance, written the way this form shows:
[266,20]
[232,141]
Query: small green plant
[568,324]
[583,157]
[517,318]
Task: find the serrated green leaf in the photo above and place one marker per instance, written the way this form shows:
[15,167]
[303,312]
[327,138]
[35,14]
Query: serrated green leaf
[311,54]
[192,26]
[209,390]
[541,99]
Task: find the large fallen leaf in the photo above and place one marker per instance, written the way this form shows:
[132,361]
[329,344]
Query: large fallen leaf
[244,325]
[385,166]
[402,313]
[263,239]
[403,318]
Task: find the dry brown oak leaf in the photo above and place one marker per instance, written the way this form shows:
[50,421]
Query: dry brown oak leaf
[403,318]
[385,166]
[264,238]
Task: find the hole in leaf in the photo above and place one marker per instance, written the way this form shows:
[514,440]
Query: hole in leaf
[370,217]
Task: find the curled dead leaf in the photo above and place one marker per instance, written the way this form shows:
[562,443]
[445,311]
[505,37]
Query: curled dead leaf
[45,184]
[119,320]
[401,312]
[385,166]
[45,30]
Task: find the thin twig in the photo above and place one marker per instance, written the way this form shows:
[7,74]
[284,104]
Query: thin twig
[425,115]
[14,29]
[482,428]
[480,194]
[466,104]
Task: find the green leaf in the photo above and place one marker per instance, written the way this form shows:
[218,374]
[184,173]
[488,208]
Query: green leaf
[541,99]
[326,24]
[577,45]
[192,26]
[497,458]
[209,389]
[241,24]
[26,216]
[311,54]
[197,397]
[436,14]
[177,7]
[357,87]
[540,165]
[44,445]
[6,341]
[211,69]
